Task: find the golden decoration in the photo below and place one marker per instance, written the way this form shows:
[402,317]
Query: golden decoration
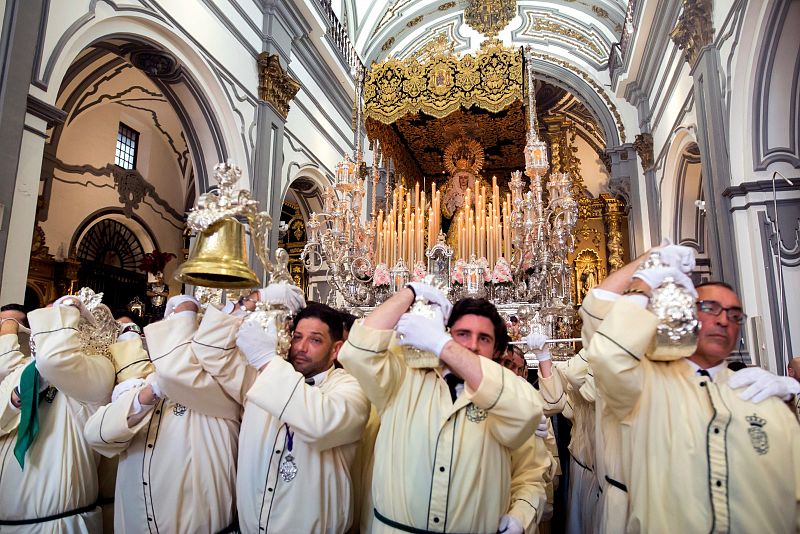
[446,6]
[589,271]
[644,147]
[615,249]
[413,22]
[440,85]
[545,25]
[390,14]
[274,84]
[695,29]
[600,12]
[489,16]
[463,155]
[38,247]
[388,44]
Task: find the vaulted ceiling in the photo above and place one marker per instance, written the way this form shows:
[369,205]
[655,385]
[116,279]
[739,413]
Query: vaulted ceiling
[579,31]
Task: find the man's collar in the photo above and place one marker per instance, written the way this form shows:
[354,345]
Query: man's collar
[318,379]
[712,371]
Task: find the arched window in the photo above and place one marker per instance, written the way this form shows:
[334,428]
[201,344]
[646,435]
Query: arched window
[110,254]
[111,243]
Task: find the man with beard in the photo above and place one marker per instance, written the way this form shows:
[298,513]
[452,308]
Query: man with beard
[302,420]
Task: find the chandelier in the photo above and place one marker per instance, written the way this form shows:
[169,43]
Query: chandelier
[511,247]
[542,230]
[337,237]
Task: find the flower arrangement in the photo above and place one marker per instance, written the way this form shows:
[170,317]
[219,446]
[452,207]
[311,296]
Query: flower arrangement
[155,262]
[502,273]
[457,277]
[381,276]
[420,272]
[487,272]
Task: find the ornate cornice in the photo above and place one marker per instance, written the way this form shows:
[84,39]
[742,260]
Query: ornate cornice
[644,147]
[275,86]
[694,29]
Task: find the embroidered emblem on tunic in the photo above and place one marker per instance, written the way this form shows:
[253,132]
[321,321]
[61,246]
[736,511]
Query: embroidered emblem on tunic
[179,409]
[50,394]
[758,437]
[288,468]
[475,414]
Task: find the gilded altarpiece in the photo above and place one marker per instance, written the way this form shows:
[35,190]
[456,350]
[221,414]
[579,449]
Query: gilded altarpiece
[48,277]
[293,242]
[601,242]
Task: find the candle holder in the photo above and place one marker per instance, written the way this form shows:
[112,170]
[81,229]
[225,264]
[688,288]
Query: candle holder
[399,276]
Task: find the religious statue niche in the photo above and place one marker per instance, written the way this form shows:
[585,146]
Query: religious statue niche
[463,159]
[589,271]
[292,238]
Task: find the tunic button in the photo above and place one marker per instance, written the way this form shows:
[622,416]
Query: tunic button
[145,483]
[719,483]
[269,489]
[716,431]
[277,451]
[149,445]
[149,518]
[703,384]
[441,469]
[158,412]
[435,519]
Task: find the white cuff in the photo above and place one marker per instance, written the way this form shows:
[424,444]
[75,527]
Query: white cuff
[640,300]
[127,336]
[604,294]
[184,313]
[439,347]
[542,355]
[261,360]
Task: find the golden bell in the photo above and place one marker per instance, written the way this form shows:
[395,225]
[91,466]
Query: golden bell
[219,259]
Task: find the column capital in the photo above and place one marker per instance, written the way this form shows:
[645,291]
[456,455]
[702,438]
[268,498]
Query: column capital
[694,30]
[275,85]
[644,148]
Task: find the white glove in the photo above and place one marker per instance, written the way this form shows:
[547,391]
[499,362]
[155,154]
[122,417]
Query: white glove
[763,384]
[423,333]
[256,343]
[676,256]
[124,386]
[433,296]
[75,302]
[541,428]
[173,303]
[283,293]
[510,525]
[655,276]
[152,381]
[536,344]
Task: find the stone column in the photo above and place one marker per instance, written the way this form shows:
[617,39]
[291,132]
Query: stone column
[694,34]
[22,218]
[276,89]
[20,21]
[625,182]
